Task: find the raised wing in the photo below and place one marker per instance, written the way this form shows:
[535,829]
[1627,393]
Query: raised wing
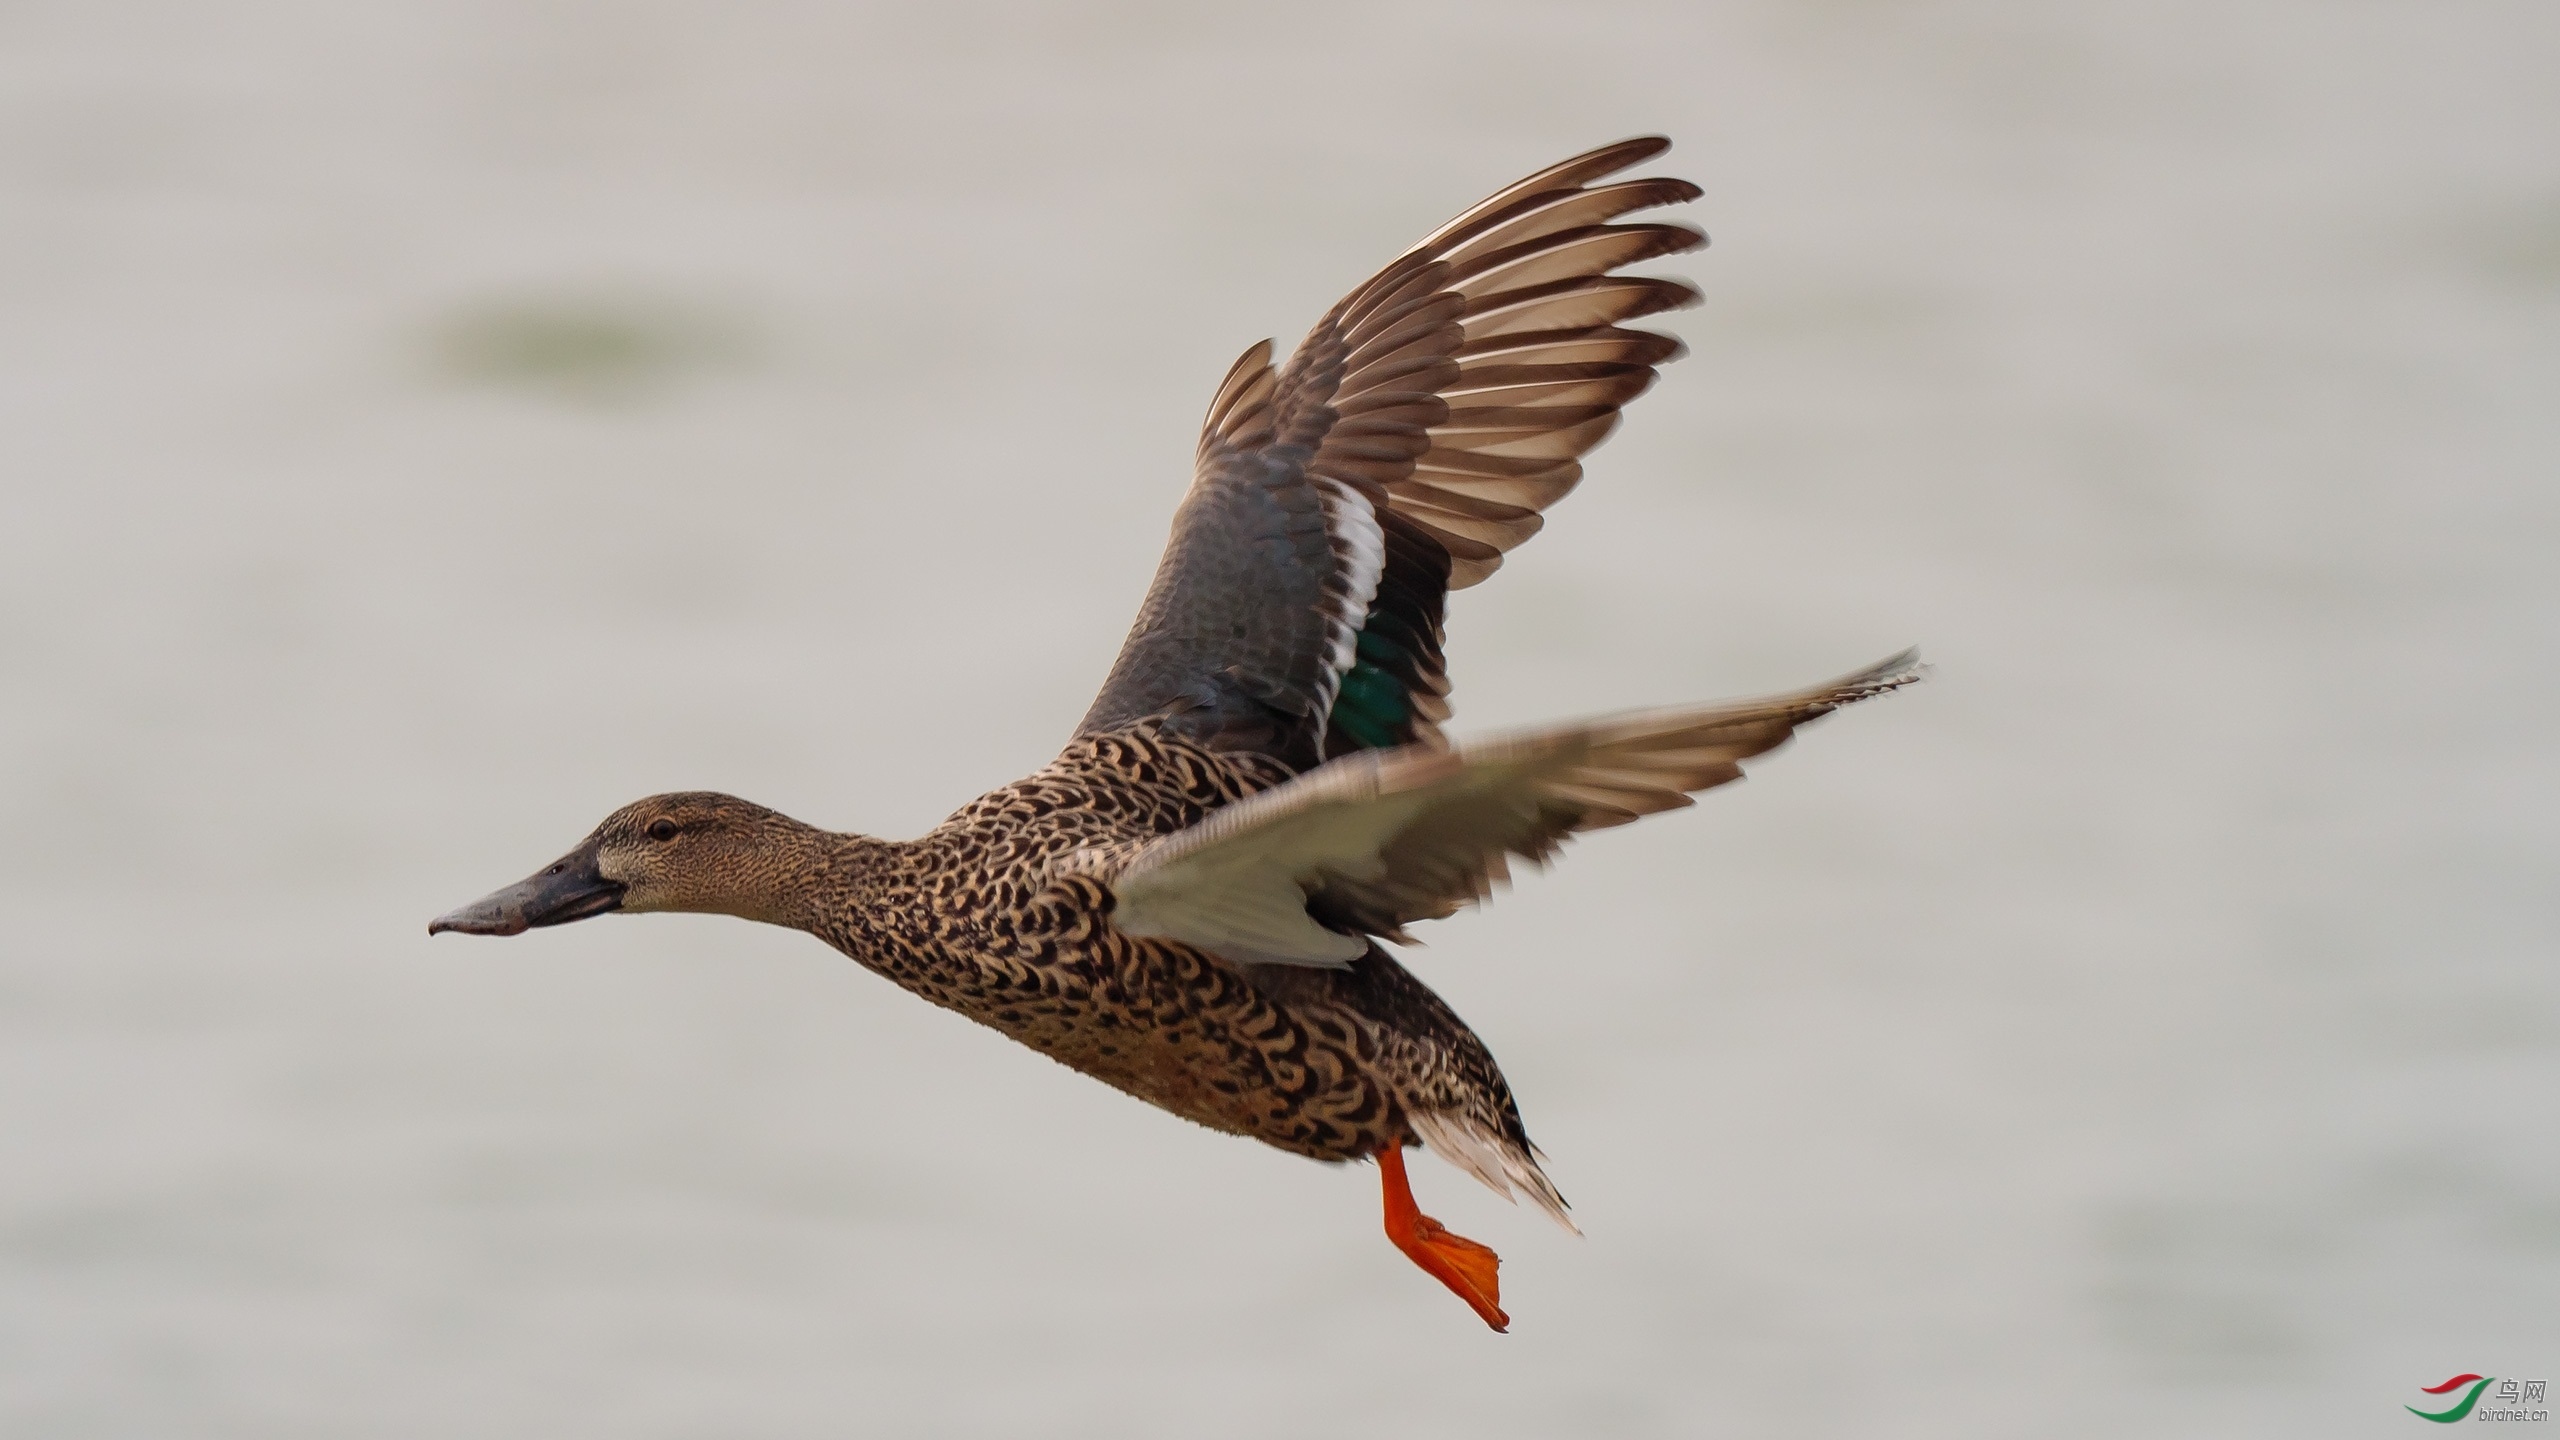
[1367,844]
[1414,437]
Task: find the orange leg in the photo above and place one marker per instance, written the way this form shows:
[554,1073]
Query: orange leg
[1466,1267]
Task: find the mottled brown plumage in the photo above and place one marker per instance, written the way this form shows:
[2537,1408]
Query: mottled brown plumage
[987,916]
[1188,903]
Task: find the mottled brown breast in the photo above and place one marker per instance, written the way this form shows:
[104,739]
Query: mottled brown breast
[995,929]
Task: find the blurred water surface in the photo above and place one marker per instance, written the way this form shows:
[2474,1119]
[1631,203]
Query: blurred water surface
[431,425]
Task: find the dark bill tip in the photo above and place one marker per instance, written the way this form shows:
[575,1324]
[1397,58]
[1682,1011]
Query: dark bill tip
[480,917]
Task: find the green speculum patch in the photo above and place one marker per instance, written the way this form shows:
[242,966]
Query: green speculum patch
[1371,708]
[1374,708]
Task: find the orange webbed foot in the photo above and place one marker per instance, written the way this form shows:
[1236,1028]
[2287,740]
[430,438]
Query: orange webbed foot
[1469,1270]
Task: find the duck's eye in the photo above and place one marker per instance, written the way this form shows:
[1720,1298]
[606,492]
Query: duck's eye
[662,829]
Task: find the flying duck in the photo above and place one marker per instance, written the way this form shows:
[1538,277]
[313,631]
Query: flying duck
[1193,902]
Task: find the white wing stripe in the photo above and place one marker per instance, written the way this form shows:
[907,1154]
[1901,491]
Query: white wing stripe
[1360,548]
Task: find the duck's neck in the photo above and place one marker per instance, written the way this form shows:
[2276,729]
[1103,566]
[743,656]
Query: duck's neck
[816,880]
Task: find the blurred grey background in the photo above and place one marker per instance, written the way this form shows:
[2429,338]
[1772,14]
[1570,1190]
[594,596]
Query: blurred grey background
[428,426]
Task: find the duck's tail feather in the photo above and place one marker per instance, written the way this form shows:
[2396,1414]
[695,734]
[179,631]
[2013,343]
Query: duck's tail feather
[1505,1165]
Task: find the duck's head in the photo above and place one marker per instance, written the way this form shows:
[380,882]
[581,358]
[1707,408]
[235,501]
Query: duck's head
[694,850]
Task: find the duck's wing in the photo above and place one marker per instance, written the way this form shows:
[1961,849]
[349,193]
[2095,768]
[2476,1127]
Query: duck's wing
[1369,843]
[1412,439]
